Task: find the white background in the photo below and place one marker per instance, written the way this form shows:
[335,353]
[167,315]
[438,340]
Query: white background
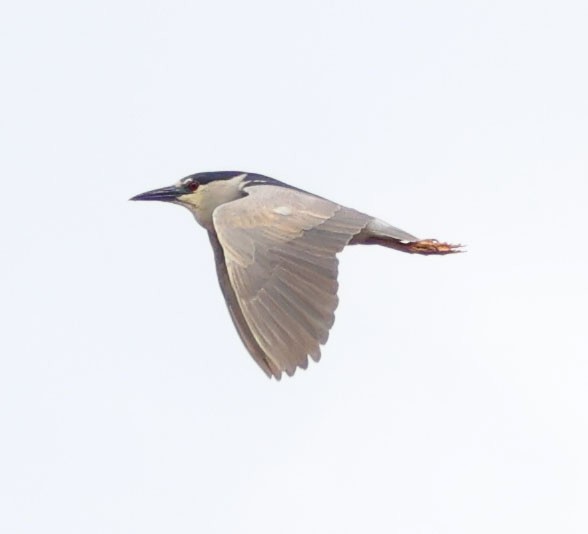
[452,395]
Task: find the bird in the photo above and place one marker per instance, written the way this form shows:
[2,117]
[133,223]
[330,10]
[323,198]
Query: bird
[275,248]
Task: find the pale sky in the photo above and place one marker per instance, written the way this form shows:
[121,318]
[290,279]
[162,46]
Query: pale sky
[452,396]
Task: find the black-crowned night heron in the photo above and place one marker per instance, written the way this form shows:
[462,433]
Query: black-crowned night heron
[275,248]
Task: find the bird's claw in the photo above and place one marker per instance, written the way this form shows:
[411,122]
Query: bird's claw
[432,246]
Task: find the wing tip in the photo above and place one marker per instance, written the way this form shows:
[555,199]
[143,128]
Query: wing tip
[273,371]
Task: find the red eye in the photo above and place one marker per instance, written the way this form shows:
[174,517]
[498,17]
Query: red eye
[192,185]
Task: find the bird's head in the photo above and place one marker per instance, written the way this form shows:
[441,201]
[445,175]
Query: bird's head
[202,193]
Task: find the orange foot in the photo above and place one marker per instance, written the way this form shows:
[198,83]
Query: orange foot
[432,246]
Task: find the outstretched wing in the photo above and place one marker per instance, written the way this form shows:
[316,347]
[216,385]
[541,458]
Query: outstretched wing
[279,248]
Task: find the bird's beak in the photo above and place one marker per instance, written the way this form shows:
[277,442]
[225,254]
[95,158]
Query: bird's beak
[165,194]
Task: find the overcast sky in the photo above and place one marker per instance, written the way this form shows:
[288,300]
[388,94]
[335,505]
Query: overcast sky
[452,396]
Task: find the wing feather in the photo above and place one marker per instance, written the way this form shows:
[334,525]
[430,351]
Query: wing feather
[236,313]
[279,247]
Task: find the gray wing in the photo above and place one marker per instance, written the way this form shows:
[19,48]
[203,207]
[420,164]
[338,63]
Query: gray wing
[279,249]
[235,310]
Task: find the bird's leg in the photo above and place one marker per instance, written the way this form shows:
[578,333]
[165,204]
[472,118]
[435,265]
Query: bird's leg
[426,247]
[430,247]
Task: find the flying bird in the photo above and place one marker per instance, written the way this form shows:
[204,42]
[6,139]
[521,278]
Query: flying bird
[275,248]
